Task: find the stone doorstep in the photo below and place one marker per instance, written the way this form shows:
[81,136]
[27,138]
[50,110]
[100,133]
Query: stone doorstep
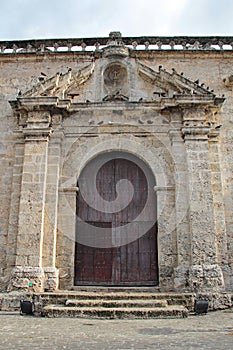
[107,300]
[116,303]
[176,311]
[115,295]
[129,289]
[186,300]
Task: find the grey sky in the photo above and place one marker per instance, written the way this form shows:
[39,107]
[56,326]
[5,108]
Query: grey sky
[31,19]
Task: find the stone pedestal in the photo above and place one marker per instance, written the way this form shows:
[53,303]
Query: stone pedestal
[50,279]
[26,278]
[206,278]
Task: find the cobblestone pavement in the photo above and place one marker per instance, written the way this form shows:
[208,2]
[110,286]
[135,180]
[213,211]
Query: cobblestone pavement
[212,331]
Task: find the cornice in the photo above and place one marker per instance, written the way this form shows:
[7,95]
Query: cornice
[159,43]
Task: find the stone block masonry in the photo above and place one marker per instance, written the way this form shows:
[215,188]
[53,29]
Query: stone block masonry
[160,106]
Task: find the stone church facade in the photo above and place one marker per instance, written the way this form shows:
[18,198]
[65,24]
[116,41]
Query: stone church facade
[116,163]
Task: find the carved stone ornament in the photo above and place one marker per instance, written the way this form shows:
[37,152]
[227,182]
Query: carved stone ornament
[118,51]
[116,97]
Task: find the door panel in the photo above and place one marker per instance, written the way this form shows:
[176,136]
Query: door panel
[120,263]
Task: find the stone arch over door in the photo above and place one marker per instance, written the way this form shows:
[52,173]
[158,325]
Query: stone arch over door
[76,158]
[116,223]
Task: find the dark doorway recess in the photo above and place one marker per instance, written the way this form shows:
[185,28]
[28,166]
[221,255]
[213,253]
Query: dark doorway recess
[124,257]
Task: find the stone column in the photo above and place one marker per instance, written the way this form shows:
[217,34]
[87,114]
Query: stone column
[51,207]
[15,201]
[66,236]
[219,210]
[181,207]
[204,274]
[167,246]
[28,271]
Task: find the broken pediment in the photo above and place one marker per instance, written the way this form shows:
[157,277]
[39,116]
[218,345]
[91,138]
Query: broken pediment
[62,85]
[115,81]
[172,85]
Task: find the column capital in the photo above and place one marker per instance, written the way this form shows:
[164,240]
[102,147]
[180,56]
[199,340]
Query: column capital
[199,124]
[195,125]
[175,135]
[68,190]
[214,135]
[195,133]
[37,126]
[165,188]
[36,134]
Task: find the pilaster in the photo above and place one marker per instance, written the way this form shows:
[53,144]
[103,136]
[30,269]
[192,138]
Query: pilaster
[167,245]
[15,201]
[219,210]
[66,235]
[204,272]
[181,207]
[28,270]
[51,206]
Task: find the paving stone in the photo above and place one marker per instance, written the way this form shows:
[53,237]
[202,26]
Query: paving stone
[209,332]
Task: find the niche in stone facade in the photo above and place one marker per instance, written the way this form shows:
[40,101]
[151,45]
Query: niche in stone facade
[115,80]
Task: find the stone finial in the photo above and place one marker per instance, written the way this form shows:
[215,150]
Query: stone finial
[115,35]
[115,45]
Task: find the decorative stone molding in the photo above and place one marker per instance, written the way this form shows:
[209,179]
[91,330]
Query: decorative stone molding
[68,189]
[179,43]
[201,124]
[116,51]
[195,126]
[170,90]
[114,46]
[165,188]
[37,126]
[38,120]
[195,133]
[214,134]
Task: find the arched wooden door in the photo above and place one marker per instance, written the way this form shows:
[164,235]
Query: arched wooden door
[116,235]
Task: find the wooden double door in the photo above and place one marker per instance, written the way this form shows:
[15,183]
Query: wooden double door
[116,232]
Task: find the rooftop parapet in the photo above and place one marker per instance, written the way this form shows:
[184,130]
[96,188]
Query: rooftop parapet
[175,43]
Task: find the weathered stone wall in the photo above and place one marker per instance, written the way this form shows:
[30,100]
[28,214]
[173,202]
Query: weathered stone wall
[197,174]
[16,73]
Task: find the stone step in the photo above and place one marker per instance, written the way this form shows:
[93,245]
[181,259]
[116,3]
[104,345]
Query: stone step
[116,303]
[61,297]
[129,289]
[175,311]
[115,295]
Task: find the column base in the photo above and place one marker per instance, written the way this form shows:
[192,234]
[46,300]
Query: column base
[33,279]
[199,278]
[51,278]
[181,274]
[205,278]
[26,278]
